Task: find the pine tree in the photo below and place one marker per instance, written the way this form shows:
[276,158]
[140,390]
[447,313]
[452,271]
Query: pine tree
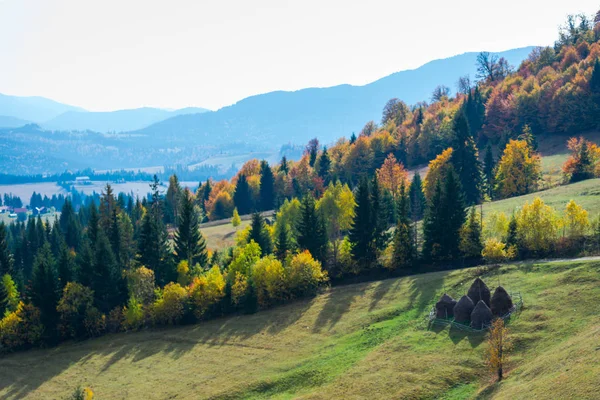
[189,242]
[115,236]
[85,263]
[489,171]
[283,243]
[361,234]
[404,252]
[108,284]
[283,166]
[242,198]
[324,166]
[432,225]
[172,200]
[311,231]
[6,259]
[379,220]
[404,206]
[65,266]
[44,290]
[465,160]
[470,236]
[352,138]
[584,168]
[417,198]
[93,224]
[454,215]
[108,206]
[512,234]
[267,190]
[259,233]
[69,225]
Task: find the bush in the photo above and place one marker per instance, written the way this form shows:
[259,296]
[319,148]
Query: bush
[206,291]
[494,251]
[268,277]
[133,315]
[170,307]
[20,328]
[74,308]
[141,284]
[304,274]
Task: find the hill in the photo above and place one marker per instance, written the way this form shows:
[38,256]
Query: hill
[11,122]
[35,108]
[115,121]
[327,113]
[355,341]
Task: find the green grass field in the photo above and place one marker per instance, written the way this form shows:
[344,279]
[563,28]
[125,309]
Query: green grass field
[585,193]
[222,236]
[358,341]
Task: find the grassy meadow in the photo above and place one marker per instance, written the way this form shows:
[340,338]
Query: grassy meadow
[355,341]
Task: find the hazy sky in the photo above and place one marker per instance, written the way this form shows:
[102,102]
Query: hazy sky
[112,54]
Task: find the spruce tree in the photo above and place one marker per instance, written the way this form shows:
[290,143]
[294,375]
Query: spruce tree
[85,263]
[432,225]
[267,190]
[489,171]
[189,242]
[107,283]
[352,138]
[470,236]
[44,290]
[172,199]
[283,166]
[242,198]
[465,160]
[512,238]
[93,224]
[259,233]
[584,168]
[454,215]
[379,219]
[283,244]
[361,234]
[417,198]
[6,259]
[65,266]
[311,232]
[404,252]
[324,166]
[108,206]
[69,225]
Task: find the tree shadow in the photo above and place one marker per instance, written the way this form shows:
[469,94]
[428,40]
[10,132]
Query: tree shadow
[338,303]
[383,288]
[24,372]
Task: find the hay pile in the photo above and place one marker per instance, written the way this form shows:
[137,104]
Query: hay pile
[463,310]
[501,302]
[481,317]
[445,307]
[479,291]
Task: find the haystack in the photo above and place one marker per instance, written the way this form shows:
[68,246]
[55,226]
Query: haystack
[479,291]
[481,316]
[445,307]
[501,302]
[463,310]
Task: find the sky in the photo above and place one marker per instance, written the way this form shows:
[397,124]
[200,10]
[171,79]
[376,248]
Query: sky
[113,54]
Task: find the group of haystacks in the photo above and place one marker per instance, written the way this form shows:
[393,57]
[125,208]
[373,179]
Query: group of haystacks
[476,308]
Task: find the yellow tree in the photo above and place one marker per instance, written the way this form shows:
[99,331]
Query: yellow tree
[438,168]
[337,205]
[518,171]
[392,174]
[537,225]
[576,220]
[499,345]
[236,220]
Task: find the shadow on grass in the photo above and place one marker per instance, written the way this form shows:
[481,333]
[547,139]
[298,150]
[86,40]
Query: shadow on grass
[24,372]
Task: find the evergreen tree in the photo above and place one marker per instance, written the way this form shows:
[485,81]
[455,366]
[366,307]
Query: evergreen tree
[65,266]
[324,166]
[417,198]
[311,231]
[584,168]
[267,190]
[235,219]
[465,160]
[352,138]
[108,206]
[283,166]
[432,225]
[115,237]
[189,242]
[404,206]
[361,234]
[93,224]
[107,283]
[283,243]
[404,253]
[172,200]
[470,236]
[6,259]
[489,171]
[85,263]
[242,198]
[595,90]
[44,290]
[69,225]
[379,219]
[512,234]
[259,233]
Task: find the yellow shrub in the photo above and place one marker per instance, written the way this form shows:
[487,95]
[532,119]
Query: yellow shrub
[304,274]
[133,315]
[20,328]
[170,307]
[537,225]
[494,250]
[239,287]
[268,277]
[207,290]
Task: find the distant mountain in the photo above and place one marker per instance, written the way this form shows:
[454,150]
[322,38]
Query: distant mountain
[36,109]
[11,122]
[326,113]
[115,121]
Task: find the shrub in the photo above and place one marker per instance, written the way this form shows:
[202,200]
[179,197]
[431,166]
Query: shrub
[141,284]
[494,251]
[239,288]
[268,277]
[537,226]
[207,290]
[170,307]
[74,308]
[304,274]
[95,322]
[21,328]
[133,315]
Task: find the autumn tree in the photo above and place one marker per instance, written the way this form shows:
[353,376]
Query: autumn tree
[576,220]
[537,226]
[518,171]
[438,170]
[392,174]
[236,220]
[582,162]
[439,93]
[395,110]
[499,345]
[491,68]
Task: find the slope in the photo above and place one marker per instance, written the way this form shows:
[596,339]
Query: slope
[115,121]
[356,341]
[34,108]
[327,113]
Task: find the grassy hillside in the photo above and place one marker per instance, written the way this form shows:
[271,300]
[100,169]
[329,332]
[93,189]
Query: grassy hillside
[356,341]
